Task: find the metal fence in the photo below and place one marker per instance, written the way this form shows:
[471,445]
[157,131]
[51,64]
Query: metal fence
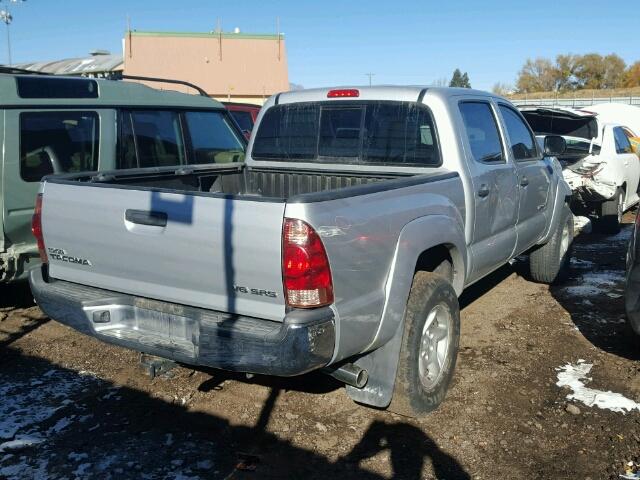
[576,102]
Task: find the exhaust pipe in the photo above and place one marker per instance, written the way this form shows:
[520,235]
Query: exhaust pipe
[349,373]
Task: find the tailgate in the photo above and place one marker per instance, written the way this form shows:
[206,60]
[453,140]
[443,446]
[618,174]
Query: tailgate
[210,252]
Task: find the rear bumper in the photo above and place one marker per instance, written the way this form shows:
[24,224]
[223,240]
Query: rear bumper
[303,342]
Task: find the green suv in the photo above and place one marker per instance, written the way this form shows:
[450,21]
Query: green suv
[51,125]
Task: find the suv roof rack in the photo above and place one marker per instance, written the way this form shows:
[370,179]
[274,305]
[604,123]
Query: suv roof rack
[164,80]
[13,70]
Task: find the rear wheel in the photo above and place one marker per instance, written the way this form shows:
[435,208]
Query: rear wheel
[611,214]
[550,262]
[429,346]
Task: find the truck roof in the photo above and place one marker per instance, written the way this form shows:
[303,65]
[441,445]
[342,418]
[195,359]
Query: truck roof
[109,93]
[409,93]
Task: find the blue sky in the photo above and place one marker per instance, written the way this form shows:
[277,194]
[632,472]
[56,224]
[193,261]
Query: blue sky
[336,42]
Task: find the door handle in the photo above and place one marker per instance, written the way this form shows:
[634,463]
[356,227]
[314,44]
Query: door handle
[145,217]
[483,191]
[524,181]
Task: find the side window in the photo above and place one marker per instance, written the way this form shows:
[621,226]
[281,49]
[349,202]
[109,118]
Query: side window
[522,142]
[157,136]
[482,132]
[127,157]
[212,138]
[622,141]
[58,142]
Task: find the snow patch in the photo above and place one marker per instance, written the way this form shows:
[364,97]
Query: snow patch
[574,376]
[597,283]
[20,443]
[581,225]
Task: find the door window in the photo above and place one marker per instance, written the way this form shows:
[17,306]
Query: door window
[58,142]
[212,138]
[622,141]
[522,142]
[482,132]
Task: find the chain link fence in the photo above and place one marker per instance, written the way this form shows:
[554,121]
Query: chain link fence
[576,102]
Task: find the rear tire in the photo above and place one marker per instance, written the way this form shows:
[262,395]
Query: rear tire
[550,262]
[429,346]
[611,214]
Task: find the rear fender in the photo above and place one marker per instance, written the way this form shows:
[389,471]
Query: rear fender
[416,237]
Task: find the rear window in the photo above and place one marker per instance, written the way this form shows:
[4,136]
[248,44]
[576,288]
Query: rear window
[349,132]
[58,142]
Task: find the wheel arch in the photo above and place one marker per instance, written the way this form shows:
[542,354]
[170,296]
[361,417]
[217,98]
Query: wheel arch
[423,244]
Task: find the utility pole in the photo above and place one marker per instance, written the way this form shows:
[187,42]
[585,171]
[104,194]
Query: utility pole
[7,18]
[370,75]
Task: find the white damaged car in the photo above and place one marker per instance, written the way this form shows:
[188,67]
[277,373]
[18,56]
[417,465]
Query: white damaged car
[598,164]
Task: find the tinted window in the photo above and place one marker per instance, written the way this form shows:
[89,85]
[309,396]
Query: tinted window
[212,138]
[244,119]
[553,122]
[288,132]
[356,132]
[400,133]
[340,131]
[51,87]
[522,142]
[158,138]
[482,131]
[58,142]
[622,141]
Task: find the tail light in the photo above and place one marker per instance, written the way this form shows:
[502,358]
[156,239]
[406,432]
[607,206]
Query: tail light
[36,228]
[305,267]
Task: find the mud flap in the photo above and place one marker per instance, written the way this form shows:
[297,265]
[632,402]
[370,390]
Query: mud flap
[381,365]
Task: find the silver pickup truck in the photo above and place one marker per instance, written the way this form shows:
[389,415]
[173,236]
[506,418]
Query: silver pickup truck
[341,243]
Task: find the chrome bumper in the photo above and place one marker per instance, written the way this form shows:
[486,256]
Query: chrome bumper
[304,341]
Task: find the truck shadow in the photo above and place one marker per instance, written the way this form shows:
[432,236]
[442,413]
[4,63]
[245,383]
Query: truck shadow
[593,295]
[314,382]
[82,426]
[16,295]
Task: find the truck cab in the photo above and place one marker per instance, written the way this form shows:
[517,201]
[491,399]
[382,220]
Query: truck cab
[56,125]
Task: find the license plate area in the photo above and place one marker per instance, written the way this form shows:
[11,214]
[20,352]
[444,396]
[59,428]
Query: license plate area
[147,328]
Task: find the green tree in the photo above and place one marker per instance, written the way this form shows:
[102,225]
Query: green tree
[459,79]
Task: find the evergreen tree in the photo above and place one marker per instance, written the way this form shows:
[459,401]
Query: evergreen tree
[459,79]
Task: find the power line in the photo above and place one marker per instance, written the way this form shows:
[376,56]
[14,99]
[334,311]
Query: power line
[370,75]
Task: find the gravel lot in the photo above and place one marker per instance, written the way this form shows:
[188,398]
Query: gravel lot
[71,407]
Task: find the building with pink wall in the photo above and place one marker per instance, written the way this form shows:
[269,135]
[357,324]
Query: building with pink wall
[238,67]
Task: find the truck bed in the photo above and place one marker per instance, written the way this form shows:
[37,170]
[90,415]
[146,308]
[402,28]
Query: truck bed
[237,181]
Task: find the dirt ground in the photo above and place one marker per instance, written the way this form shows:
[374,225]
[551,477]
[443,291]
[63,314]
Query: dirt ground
[72,407]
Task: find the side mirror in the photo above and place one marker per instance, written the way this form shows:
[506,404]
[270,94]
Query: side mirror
[554,145]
